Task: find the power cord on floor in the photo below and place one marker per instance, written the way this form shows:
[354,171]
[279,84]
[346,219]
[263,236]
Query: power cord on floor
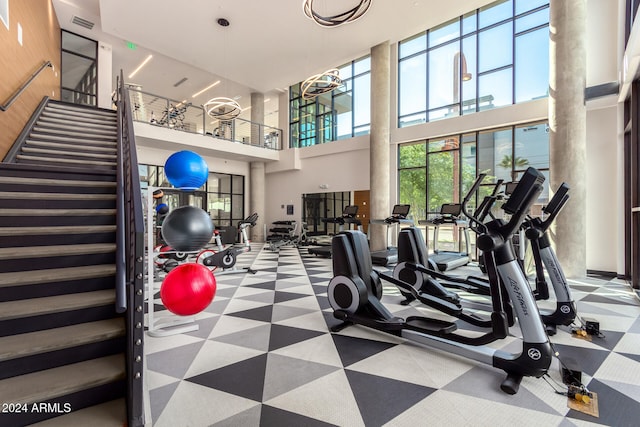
[575,389]
[586,327]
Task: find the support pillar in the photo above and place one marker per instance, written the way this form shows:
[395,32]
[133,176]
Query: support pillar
[257,118]
[256,199]
[567,123]
[379,143]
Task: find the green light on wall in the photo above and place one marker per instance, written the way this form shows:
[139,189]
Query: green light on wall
[132,46]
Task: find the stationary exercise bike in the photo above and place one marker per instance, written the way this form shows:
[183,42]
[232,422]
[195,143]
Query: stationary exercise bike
[226,258]
[355,291]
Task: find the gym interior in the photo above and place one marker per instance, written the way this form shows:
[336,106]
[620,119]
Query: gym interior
[320,121]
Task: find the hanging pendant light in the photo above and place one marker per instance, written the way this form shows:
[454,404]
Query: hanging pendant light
[321,83]
[222,108]
[350,15]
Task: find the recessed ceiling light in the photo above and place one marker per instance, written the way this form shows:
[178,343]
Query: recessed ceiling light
[205,89]
[141,65]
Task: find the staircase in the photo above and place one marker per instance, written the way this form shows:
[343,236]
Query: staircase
[62,344]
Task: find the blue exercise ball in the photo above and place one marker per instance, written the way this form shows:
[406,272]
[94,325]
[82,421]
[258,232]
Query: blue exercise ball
[186,170]
[187,228]
[162,209]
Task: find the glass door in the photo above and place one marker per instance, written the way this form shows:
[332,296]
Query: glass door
[79,69]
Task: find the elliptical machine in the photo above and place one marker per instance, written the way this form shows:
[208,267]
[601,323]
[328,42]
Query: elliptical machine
[545,258]
[413,265]
[355,292]
[226,258]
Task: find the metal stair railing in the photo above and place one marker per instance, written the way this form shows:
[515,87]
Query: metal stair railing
[130,255]
[22,88]
[187,117]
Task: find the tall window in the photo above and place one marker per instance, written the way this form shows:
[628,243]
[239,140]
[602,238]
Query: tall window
[494,56]
[225,198]
[441,170]
[340,114]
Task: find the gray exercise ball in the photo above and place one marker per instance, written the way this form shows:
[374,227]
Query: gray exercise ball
[187,228]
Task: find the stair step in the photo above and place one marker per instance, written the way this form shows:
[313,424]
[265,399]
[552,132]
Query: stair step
[63,229]
[22,345]
[75,140]
[57,382]
[81,112]
[75,153]
[102,148]
[51,127]
[56,182]
[81,135]
[56,250]
[56,212]
[63,123]
[55,304]
[57,160]
[81,109]
[53,114]
[109,414]
[34,277]
[54,196]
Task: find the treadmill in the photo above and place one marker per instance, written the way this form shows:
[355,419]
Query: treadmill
[348,217]
[450,216]
[398,217]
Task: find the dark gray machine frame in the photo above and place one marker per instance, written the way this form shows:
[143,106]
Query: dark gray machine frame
[355,291]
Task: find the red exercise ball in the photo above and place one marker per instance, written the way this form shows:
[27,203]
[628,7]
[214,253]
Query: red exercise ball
[188,289]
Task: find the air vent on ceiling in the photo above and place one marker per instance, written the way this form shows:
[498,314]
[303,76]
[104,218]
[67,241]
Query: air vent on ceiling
[82,22]
[179,82]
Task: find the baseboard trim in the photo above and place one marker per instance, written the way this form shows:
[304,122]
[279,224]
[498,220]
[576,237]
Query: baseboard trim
[600,274]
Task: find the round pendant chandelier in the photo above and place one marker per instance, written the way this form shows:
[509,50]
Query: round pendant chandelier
[335,20]
[222,108]
[321,83]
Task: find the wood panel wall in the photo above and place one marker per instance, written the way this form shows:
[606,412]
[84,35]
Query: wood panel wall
[361,199]
[40,43]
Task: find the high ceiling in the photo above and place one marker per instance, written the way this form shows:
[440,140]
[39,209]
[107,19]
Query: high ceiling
[268,45]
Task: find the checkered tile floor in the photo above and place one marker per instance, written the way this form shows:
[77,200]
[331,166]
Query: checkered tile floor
[263,355]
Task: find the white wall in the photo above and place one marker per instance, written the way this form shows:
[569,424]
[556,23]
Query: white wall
[158,156]
[105,74]
[602,41]
[605,243]
[602,198]
[341,166]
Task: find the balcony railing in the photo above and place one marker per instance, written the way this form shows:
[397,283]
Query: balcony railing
[172,114]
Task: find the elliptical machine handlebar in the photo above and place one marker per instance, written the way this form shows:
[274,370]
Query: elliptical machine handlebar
[467,197]
[484,208]
[536,226]
[555,205]
[518,205]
